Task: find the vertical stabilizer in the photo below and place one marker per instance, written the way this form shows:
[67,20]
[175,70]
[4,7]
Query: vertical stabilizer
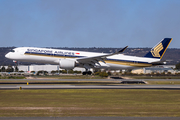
[159,50]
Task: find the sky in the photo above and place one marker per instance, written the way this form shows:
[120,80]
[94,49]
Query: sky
[89,23]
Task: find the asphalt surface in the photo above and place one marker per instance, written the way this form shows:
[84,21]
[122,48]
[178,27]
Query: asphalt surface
[114,84]
[176,87]
[88,79]
[89,118]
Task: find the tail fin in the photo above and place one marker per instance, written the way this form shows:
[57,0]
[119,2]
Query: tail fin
[159,50]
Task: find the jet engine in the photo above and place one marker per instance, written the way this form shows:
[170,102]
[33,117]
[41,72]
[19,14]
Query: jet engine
[66,64]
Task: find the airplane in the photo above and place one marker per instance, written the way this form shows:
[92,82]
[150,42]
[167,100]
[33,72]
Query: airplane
[69,59]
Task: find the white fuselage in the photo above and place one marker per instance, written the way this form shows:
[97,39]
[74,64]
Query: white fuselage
[53,56]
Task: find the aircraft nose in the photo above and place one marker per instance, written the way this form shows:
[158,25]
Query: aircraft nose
[7,55]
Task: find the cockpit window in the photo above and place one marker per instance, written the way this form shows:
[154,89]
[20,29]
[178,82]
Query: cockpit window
[12,50]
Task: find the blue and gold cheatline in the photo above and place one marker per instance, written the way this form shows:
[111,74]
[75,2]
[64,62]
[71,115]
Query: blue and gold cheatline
[159,50]
[111,61]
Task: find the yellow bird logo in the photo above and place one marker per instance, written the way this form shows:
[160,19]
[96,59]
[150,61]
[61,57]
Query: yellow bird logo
[156,50]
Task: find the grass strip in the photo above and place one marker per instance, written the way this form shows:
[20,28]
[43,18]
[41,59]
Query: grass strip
[71,77]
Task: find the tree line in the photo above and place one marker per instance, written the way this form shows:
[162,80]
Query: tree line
[9,69]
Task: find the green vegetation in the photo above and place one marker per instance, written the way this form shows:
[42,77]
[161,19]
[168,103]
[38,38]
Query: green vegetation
[9,69]
[70,77]
[70,72]
[3,69]
[178,66]
[12,77]
[42,72]
[101,74]
[101,102]
[16,69]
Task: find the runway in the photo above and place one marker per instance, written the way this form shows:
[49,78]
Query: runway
[175,87]
[48,79]
[82,84]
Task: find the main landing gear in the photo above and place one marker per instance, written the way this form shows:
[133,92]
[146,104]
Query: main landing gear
[87,67]
[87,73]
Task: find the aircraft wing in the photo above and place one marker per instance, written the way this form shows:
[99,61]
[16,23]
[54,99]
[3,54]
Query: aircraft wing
[95,59]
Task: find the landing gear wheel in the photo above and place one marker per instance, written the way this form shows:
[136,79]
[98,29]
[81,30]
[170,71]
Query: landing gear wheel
[87,73]
[84,73]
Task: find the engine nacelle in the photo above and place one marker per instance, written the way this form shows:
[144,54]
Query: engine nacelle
[66,64]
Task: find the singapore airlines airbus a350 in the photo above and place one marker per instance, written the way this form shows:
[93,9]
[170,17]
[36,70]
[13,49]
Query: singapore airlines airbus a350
[68,59]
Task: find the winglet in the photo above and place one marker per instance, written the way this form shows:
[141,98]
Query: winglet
[159,50]
[122,50]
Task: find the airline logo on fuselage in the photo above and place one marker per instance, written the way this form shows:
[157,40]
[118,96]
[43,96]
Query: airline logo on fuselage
[51,52]
[156,51]
[39,51]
